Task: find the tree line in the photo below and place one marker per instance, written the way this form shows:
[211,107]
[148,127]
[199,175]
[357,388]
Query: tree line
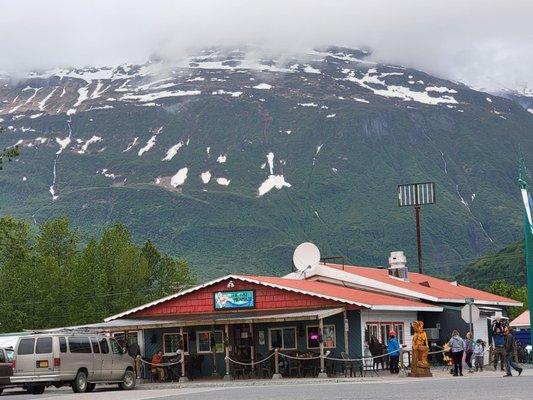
[50,278]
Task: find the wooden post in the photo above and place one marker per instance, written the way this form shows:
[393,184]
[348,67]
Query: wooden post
[252,347]
[183,377]
[214,351]
[346,327]
[227,376]
[322,373]
[276,375]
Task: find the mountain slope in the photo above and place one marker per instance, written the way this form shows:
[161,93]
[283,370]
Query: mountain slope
[230,161]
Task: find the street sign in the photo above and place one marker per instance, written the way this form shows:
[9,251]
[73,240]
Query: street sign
[465,313]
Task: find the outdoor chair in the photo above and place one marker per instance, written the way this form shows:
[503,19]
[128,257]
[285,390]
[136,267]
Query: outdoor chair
[264,369]
[351,366]
[295,368]
[368,367]
[310,367]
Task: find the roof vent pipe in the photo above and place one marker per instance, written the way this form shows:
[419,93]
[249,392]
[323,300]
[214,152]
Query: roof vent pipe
[398,265]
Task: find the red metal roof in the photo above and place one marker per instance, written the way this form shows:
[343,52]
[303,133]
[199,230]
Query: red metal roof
[358,296]
[426,284]
[522,320]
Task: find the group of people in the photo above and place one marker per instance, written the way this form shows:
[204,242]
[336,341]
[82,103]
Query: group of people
[504,350]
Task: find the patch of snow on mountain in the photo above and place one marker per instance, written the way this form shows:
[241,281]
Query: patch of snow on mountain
[331,115]
[232,94]
[33,116]
[105,172]
[489,99]
[318,149]
[530,110]
[149,144]
[222,158]
[270,159]
[172,151]
[361,100]
[223,181]
[196,79]
[82,95]
[440,89]
[63,143]
[205,176]
[130,146]
[98,90]
[85,146]
[310,70]
[273,181]
[180,177]
[263,86]
[42,103]
[71,111]
[159,95]
[308,104]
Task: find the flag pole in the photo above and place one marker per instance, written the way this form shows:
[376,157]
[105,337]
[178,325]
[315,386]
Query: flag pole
[528,245]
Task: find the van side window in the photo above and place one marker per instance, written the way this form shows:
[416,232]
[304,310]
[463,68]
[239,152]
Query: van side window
[79,344]
[115,347]
[26,346]
[62,344]
[104,346]
[96,349]
[44,345]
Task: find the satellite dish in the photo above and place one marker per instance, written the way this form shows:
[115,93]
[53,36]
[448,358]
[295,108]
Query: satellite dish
[305,256]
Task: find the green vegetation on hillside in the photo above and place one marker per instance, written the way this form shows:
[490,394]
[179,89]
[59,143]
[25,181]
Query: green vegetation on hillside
[49,279]
[507,264]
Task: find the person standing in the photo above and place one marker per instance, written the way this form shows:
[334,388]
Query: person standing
[393,348]
[509,352]
[457,348]
[479,354]
[469,351]
[499,343]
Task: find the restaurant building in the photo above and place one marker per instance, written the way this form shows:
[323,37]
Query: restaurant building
[328,309]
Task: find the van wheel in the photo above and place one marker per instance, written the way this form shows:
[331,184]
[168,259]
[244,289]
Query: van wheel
[80,383]
[90,387]
[36,389]
[129,381]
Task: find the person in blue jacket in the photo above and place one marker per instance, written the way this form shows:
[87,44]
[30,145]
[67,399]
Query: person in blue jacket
[393,348]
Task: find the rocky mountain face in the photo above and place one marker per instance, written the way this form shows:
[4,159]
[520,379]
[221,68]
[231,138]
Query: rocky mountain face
[230,159]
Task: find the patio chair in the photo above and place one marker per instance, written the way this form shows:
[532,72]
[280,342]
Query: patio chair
[351,366]
[264,369]
[368,367]
[295,368]
[310,367]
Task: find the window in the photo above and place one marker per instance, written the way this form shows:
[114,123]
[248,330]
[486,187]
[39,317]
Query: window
[133,338]
[26,346]
[204,339]
[104,346]
[328,337]
[115,347]
[282,338]
[381,330]
[10,354]
[172,342]
[44,345]
[79,344]
[62,344]
[94,343]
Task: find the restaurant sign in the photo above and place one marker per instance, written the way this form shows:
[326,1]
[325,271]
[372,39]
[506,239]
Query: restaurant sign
[234,299]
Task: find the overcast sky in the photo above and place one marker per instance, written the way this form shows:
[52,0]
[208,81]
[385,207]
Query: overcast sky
[482,43]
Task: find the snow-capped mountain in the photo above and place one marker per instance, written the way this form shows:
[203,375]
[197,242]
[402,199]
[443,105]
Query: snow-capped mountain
[231,157]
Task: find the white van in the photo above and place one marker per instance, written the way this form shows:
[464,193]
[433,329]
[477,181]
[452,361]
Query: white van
[79,360]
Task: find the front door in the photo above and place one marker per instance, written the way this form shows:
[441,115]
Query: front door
[96,374]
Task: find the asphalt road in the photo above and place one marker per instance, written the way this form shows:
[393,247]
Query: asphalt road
[471,388]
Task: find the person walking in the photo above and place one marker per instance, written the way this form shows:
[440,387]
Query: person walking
[457,348]
[469,351]
[393,348]
[499,343]
[510,346]
[479,354]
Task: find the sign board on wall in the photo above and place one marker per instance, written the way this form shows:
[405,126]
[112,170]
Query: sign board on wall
[230,300]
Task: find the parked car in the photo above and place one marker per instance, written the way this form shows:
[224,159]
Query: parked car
[6,368]
[79,360]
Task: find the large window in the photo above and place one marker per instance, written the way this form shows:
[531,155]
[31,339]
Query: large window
[204,339]
[172,342]
[26,346]
[328,337]
[79,344]
[282,338]
[44,345]
[381,330]
[132,338]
